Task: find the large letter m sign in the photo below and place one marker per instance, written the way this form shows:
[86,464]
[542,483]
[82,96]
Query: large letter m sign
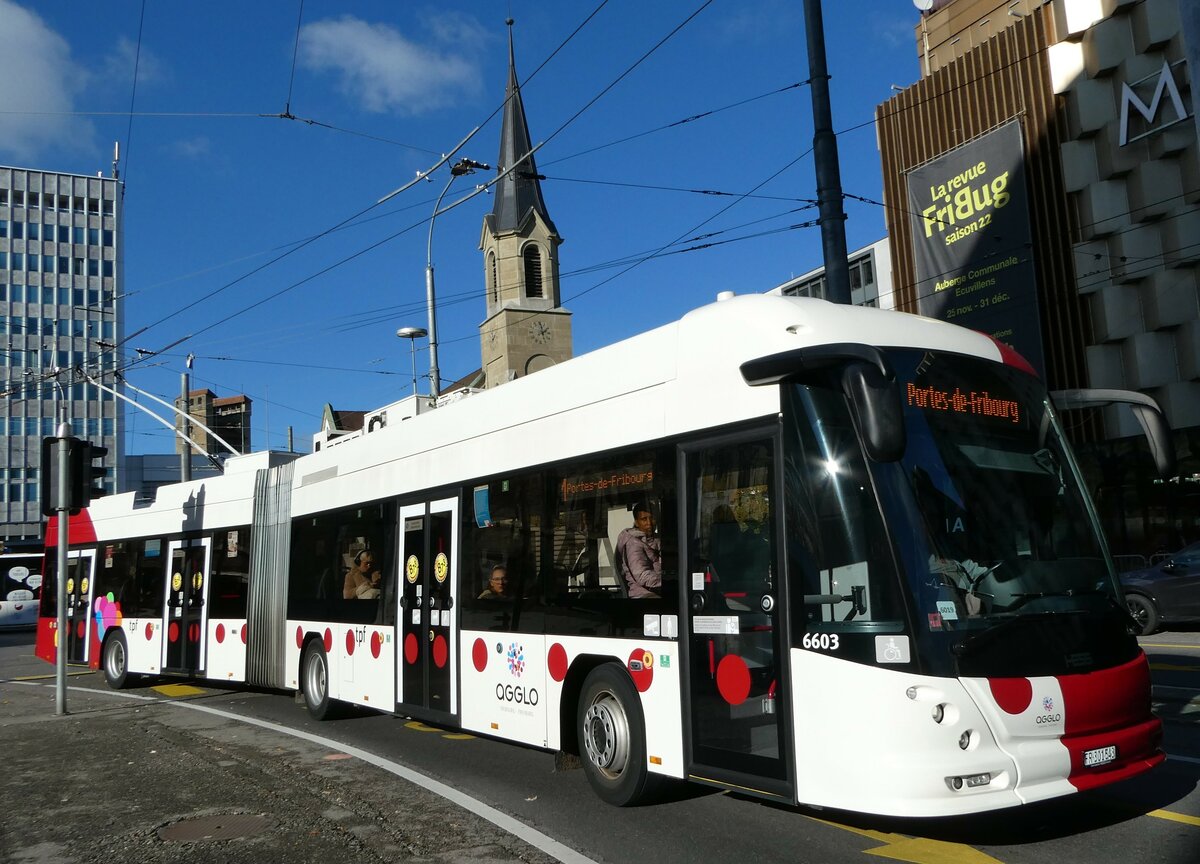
[1166,85]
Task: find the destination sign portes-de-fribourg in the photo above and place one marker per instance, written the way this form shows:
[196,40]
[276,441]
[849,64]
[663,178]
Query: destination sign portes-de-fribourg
[972,243]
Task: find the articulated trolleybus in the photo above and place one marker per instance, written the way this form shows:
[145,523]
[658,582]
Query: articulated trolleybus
[879,582]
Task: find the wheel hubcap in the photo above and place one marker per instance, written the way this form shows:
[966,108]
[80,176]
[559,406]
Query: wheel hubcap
[1138,612]
[315,689]
[606,735]
[116,659]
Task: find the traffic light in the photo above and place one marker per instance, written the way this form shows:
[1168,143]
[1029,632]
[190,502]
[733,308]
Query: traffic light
[84,473]
[49,477]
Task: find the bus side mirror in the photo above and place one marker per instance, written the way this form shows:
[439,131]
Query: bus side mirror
[875,403]
[1145,411]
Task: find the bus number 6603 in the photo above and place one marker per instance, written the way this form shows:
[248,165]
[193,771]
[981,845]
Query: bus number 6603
[821,641]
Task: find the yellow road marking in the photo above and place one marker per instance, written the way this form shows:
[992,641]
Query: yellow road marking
[1170,645]
[1175,817]
[176,691]
[918,850]
[459,736]
[1172,667]
[420,727]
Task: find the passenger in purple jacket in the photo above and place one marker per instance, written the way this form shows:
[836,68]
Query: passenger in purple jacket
[640,552]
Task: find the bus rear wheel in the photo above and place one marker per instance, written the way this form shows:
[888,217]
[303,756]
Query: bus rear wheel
[314,681]
[116,662]
[612,737]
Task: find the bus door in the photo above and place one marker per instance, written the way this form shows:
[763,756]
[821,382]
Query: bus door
[185,616]
[80,576]
[737,685]
[427,669]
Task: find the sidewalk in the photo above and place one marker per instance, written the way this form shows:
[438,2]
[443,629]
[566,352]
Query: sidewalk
[121,780]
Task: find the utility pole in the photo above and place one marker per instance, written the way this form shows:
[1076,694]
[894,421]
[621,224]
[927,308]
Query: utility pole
[63,512]
[825,155]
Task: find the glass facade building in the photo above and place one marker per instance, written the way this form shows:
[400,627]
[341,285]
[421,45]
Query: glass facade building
[61,289]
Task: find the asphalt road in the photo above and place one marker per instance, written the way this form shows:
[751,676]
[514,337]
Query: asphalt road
[1155,818]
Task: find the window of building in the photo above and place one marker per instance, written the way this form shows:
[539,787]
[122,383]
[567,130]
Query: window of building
[3,227]
[33,231]
[93,235]
[108,237]
[3,260]
[94,206]
[18,260]
[106,268]
[32,262]
[77,269]
[64,202]
[493,281]
[108,207]
[3,197]
[77,204]
[532,257]
[35,199]
[18,198]
[47,263]
[93,267]
[18,230]
[64,233]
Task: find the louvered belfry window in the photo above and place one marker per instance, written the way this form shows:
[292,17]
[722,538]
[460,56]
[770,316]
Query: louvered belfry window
[533,271]
[493,282]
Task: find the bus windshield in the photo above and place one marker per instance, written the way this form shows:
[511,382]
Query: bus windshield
[1006,538]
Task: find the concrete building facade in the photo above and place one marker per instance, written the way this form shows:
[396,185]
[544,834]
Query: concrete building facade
[870,278]
[61,288]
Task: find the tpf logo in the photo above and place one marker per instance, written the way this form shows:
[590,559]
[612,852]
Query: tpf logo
[516,659]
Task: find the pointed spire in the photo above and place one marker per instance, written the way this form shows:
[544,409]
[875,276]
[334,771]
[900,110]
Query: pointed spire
[520,191]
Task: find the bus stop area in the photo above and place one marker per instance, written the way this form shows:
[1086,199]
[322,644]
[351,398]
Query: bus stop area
[147,779]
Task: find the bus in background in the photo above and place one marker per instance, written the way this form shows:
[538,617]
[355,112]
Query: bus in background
[20,588]
[819,554]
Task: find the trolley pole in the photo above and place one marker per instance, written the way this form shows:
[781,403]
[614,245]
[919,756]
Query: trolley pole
[64,518]
[825,155]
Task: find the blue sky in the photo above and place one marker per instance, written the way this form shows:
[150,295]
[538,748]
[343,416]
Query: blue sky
[215,192]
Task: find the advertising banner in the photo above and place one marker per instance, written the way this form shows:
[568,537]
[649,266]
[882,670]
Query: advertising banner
[972,243]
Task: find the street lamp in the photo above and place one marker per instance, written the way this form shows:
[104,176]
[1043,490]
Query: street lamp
[412,334]
[458,169]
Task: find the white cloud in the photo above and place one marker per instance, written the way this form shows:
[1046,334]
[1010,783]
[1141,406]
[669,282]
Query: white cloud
[38,76]
[192,148]
[383,70]
[119,64]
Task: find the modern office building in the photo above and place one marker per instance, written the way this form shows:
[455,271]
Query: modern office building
[61,287]
[1043,185]
[870,278]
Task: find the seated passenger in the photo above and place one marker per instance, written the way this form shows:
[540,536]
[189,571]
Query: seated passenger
[639,551]
[498,585]
[362,580]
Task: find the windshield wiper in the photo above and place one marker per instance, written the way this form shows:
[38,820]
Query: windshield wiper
[1065,592]
[973,643]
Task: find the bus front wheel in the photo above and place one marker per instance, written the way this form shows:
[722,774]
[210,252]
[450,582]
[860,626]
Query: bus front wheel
[314,681]
[116,662]
[612,737]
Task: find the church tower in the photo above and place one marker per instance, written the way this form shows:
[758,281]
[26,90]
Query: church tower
[525,329]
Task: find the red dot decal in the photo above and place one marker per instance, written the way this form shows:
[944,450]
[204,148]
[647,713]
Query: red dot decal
[376,644]
[149,630]
[641,668]
[556,662]
[173,632]
[220,633]
[246,627]
[328,641]
[410,648]
[479,655]
[733,679]
[1013,695]
[441,651]
[299,637]
[350,642]
[80,629]
[193,632]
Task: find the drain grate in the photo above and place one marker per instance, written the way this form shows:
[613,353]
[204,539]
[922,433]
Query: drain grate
[231,826]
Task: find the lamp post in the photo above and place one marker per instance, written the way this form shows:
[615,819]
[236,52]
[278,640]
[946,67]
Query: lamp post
[458,169]
[412,334]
